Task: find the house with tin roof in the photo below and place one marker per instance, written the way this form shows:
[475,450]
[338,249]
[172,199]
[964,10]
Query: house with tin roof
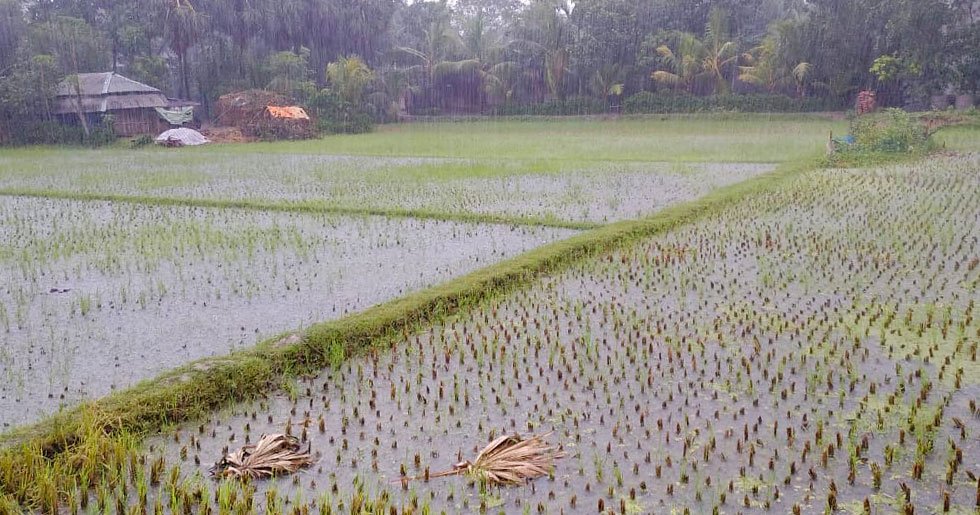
[135,108]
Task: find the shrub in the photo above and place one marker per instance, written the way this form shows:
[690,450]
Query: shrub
[56,133]
[335,116]
[664,103]
[891,131]
[569,107]
[879,137]
[141,141]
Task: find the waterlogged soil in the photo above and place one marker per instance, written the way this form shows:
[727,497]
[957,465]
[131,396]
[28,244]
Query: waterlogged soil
[566,191]
[807,349]
[96,296]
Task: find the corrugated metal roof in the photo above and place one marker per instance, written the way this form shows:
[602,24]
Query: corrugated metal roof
[107,83]
[101,92]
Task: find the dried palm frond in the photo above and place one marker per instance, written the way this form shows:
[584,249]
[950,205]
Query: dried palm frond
[509,460]
[272,455]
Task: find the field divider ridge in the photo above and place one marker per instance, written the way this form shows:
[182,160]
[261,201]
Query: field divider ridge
[303,207]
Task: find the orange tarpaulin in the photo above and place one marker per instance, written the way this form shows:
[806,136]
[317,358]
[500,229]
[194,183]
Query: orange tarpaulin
[294,112]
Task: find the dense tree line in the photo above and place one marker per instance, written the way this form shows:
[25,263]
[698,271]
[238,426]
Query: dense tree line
[473,55]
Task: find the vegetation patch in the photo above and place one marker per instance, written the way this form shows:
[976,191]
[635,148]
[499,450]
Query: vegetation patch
[881,137]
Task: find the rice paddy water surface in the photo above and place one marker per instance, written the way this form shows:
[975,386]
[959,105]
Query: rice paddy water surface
[810,347]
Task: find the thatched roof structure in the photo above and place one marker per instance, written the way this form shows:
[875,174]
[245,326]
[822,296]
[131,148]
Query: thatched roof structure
[105,92]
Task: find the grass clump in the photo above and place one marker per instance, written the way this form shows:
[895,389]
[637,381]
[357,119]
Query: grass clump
[882,137]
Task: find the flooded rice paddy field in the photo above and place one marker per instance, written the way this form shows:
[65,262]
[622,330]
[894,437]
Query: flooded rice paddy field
[806,350]
[96,296]
[560,190]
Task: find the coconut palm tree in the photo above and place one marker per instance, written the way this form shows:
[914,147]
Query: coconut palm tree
[684,63]
[608,81]
[349,77]
[440,43]
[184,25]
[545,36]
[693,59]
[721,52]
[764,71]
[483,49]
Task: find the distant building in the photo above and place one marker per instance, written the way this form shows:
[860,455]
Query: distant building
[136,108]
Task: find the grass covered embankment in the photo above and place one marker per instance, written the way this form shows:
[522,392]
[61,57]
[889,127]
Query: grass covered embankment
[304,206]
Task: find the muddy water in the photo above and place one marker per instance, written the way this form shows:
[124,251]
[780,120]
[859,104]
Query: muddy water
[96,297]
[772,358]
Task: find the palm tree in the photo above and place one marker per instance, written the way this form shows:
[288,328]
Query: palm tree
[440,43]
[608,81]
[765,71]
[483,49]
[184,25]
[693,59]
[349,77]
[547,34]
[721,51]
[684,65]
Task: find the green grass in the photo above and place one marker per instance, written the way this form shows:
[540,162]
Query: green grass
[961,138]
[47,457]
[476,150]
[709,138]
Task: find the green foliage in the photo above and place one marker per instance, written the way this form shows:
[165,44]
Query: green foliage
[966,70]
[889,68]
[349,78]
[574,106]
[770,67]
[662,103]
[142,141]
[12,29]
[891,131]
[335,116]
[290,74]
[31,132]
[152,70]
[880,137]
[479,57]
[76,46]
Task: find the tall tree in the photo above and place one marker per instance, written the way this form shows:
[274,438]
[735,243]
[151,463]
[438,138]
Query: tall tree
[184,25]
[13,26]
[684,63]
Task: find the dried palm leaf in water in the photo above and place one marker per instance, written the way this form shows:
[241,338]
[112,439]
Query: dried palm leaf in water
[509,460]
[272,455]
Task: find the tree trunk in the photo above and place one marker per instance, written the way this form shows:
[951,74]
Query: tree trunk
[78,93]
[185,83]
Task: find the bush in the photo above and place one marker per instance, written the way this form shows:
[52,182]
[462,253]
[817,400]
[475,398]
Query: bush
[141,141]
[890,131]
[334,116]
[569,107]
[880,137]
[56,133]
[664,103]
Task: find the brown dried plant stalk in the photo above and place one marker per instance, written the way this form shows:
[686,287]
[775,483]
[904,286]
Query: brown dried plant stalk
[272,455]
[508,460]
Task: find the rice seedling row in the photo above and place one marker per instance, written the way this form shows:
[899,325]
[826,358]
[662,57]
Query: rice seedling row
[554,193]
[98,296]
[810,349]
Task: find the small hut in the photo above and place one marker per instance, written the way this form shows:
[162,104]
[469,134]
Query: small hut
[133,105]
